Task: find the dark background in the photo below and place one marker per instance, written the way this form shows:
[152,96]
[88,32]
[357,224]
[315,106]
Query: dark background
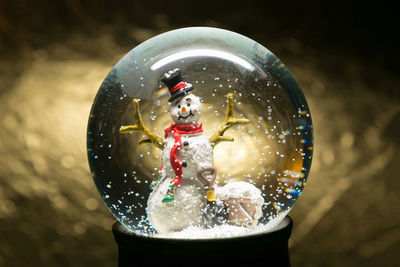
[55,54]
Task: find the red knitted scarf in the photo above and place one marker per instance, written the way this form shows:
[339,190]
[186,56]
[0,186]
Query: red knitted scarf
[177,131]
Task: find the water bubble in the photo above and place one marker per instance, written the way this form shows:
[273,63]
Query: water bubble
[271,152]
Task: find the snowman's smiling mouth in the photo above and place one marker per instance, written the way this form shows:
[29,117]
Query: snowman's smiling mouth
[185,117]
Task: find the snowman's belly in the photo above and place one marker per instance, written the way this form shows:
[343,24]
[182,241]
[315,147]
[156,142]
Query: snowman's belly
[184,211]
[196,153]
[190,198]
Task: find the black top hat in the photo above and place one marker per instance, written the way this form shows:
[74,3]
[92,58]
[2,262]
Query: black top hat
[176,87]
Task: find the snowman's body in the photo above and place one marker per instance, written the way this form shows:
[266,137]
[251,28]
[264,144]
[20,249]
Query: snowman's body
[179,198]
[190,200]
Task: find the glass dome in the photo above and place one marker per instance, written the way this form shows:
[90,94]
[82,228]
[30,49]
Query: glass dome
[254,136]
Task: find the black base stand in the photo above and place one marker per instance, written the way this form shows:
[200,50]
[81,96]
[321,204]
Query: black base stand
[267,249]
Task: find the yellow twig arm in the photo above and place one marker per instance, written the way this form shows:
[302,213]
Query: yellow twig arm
[140,127]
[229,122]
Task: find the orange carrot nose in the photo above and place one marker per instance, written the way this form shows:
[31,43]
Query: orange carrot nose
[183,109]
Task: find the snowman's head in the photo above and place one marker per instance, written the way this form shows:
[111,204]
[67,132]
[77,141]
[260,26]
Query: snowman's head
[185,109]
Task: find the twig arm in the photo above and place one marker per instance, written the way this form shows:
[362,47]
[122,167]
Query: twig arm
[229,122]
[140,127]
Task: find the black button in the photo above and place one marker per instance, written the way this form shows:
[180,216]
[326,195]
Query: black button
[184,164]
[186,143]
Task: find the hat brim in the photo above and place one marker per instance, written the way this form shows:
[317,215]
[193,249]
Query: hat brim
[179,93]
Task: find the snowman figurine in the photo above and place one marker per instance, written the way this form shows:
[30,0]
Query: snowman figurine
[179,198]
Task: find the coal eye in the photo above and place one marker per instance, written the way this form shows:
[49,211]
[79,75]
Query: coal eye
[188,104]
[179,106]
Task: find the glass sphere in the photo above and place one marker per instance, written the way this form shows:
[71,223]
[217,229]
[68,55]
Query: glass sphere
[255,139]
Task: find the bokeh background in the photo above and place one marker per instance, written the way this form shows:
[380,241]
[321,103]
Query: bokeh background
[55,54]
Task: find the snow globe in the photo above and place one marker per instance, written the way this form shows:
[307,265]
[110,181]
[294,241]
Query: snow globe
[199,134]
